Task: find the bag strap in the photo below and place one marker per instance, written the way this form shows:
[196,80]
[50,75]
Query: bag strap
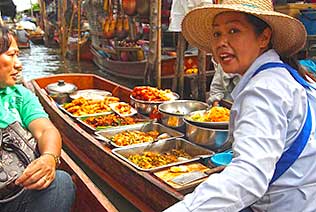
[23,134]
[291,155]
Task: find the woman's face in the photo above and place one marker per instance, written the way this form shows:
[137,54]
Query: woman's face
[10,65]
[235,45]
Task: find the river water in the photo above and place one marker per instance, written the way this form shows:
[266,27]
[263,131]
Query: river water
[40,61]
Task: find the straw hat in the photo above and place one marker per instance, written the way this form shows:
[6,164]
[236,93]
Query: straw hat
[85,26]
[19,27]
[288,33]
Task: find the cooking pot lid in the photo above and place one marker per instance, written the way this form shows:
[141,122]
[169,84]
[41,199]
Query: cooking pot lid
[61,87]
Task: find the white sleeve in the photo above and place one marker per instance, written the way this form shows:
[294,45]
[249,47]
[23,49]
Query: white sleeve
[217,89]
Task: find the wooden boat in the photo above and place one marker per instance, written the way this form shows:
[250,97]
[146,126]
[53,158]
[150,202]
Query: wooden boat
[37,39]
[136,69]
[85,51]
[88,197]
[126,69]
[24,45]
[141,188]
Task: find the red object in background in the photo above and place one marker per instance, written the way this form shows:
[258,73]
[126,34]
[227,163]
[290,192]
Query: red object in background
[155,114]
[129,7]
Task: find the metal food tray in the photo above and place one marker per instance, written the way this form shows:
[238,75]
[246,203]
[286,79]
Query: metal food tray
[195,151]
[87,115]
[91,129]
[144,127]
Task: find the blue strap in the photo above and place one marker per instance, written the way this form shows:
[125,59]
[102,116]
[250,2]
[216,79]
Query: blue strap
[294,151]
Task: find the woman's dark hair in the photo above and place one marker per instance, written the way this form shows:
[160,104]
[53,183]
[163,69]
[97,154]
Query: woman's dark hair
[259,26]
[5,39]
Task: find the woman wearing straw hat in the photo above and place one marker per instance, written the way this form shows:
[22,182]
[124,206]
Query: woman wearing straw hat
[273,115]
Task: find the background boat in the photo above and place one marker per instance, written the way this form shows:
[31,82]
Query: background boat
[37,39]
[24,45]
[85,50]
[136,70]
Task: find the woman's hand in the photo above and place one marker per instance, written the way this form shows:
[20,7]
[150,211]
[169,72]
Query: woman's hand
[39,174]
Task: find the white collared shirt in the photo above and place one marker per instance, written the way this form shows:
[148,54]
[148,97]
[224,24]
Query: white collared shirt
[180,8]
[268,112]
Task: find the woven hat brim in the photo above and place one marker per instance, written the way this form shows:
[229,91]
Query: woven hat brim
[288,33]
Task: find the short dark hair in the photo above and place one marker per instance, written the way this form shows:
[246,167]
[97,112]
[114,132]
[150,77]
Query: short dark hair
[5,39]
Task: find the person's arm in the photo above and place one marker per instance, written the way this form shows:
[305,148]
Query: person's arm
[41,172]
[217,89]
[47,136]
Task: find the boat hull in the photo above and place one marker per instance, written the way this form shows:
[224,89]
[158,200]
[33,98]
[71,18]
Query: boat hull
[24,45]
[127,69]
[85,51]
[37,39]
[143,190]
[136,70]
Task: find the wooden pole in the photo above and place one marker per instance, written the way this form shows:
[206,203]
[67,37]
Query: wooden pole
[202,75]
[41,20]
[64,30]
[178,80]
[68,30]
[60,25]
[1,21]
[152,54]
[32,14]
[79,30]
[45,22]
[158,61]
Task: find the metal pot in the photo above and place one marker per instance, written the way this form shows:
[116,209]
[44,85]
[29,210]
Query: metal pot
[213,139]
[60,91]
[146,107]
[172,113]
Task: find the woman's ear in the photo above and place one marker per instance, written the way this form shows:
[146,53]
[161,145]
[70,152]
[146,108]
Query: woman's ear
[265,38]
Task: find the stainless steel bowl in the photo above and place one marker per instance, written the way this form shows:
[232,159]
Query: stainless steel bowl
[146,107]
[213,125]
[172,113]
[212,139]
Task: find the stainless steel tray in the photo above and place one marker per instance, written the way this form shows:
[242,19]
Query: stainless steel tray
[92,129]
[144,127]
[195,151]
[87,115]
